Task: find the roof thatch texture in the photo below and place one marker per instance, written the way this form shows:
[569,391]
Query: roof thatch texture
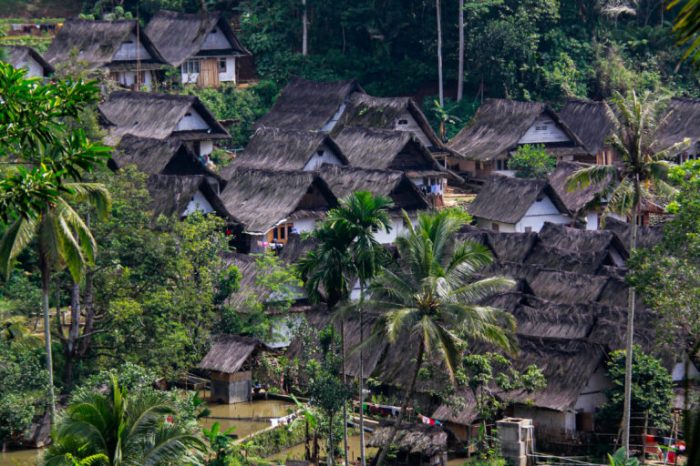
[565,287]
[171,194]
[18,55]
[228,353]
[152,156]
[465,415]
[592,121]
[413,439]
[505,199]
[179,36]
[681,120]
[647,237]
[260,199]
[95,42]
[567,365]
[580,241]
[497,127]
[386,150]
[283,149]
[578,199]
[367,111]
[344,181]
[156,116]
[307,105]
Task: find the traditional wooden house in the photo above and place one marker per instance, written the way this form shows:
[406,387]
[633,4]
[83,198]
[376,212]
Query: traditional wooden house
[416,444]
[183,195]
[119,47]
[309,105]
[21,56]
[389,113]
[203,46]
[500,126]
[162,116]
[271,205]
[593,122]
[394,150]
[288,150]
[344,181]
[171,156]
[517,205]
[680,121]
[230,362]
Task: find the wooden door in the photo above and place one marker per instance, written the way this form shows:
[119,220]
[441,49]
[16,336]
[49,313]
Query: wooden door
[208,73]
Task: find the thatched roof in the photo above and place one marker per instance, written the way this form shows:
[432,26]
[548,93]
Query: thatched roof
[261,199]
[414,439]
[344,181]
[308,105]
[171,194]
[567,365]
[228,353]
[96,42]
[497,127]
[367,111]
[505,199]
[681,120]
[578,199]
[465,415]
[592,121]
[647,237]
[19,55]
[179,36]
[156,116]
[580,241]
[387,150]
[283,149]
[169,156]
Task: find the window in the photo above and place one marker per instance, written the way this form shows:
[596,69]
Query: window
[403,122]
[188,114]
[541,127]
[214,31]
[190,67]
[494,227]
[319,152]
[528,229]
[222,65]
[501,165]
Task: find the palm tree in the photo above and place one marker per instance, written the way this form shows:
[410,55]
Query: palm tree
[62,238]
[430,297]
[643,169]
[438,16]
[687,26]
[123,430]
[363,215]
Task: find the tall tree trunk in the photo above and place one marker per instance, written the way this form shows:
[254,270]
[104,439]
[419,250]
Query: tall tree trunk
[631,298]
[304,29]
[329,453]
[438,16]
[361,382]
[71,343]
[404,405]
[345,404]
[45,280]
[460,61]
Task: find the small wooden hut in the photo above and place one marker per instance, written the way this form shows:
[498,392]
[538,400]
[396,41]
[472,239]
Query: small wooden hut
[230,362]
[416,444]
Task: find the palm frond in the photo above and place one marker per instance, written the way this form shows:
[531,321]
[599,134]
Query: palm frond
[588,176]
[16,237]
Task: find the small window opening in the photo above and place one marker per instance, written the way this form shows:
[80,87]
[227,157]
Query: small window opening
[403,122]
[222,65]
[540,127]
[319,153]
[188,114]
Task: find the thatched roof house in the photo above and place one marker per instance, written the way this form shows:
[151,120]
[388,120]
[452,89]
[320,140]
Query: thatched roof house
[21,56]
[271,205]
[203,45]
[517,205]
[309,105]
[577,200]
[593,122]
[681,120]
[288,150]
[390,113]
[161,116]
[169,156]
[647,236]
[120,47]
[182,195]
[395,185]
[500,126]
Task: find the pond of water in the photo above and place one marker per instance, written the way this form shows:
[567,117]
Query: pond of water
[297,452]
[20,458]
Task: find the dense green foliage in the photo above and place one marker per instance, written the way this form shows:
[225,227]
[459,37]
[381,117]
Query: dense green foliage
[532,162]
[652,392]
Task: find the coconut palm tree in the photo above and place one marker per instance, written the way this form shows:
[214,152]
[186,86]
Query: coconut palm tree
[687,26]
[62,239]
[430,298]
[347,251]
[642,170]
[123,430]
[363,215]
